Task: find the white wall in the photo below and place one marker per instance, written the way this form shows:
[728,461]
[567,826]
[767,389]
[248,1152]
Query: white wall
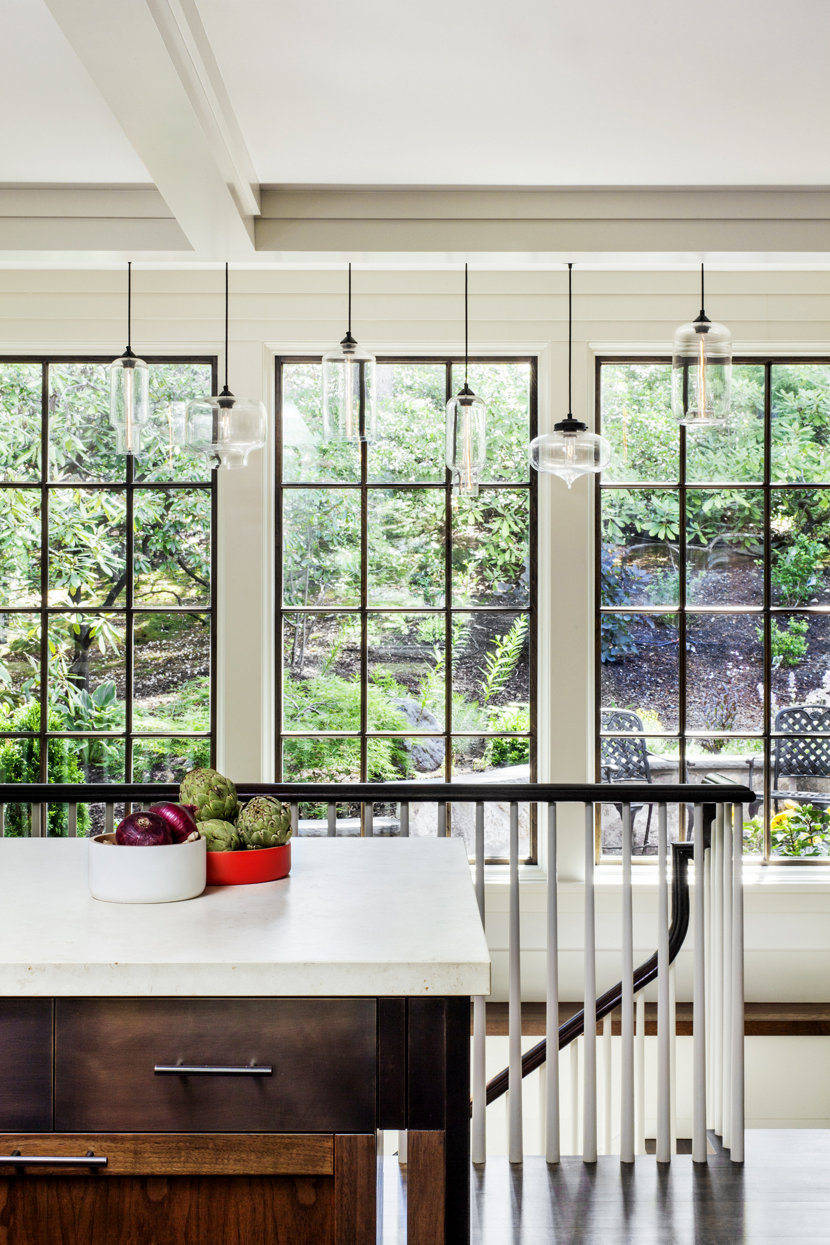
[418,311]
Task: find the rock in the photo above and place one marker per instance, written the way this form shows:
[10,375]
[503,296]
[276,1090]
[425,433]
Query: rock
[427,754]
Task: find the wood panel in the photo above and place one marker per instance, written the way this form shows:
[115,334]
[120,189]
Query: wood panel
[426,1188]
[201,1154]
[322,1051]
[391,1063]
[26,1063]
[355,1189]
[760,1019]
[154,1210]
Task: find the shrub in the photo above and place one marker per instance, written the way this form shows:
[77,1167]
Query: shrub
[796,570]
[788,644]
[798,830]
[617,586]
[20,762]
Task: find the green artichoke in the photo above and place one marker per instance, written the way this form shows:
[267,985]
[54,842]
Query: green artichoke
[213,795]
[264,822]
[219,836]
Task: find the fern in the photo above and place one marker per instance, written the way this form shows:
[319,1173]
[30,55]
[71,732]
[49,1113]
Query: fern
[503,659]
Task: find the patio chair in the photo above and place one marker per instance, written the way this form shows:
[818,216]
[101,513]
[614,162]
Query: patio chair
[625,759]
[806,755]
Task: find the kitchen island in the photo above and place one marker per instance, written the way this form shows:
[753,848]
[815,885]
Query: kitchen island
[217,1069]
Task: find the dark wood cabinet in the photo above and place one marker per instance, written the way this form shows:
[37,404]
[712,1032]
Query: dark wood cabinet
[26,1064]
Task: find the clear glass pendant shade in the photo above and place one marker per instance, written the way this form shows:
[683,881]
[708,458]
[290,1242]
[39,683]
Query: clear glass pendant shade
[226,428]
[570,451]
[129,401]
[349,387]
[466,441]
[702,373]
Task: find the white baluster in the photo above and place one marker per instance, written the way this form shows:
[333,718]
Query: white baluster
[627,1011]
[717,970]
[737,1060]
[640,1078]
[479,1133]
[606,1046]
[664,1037]
[699,1004]
[589,1082]
[727,975]
[552,1140]
[673,1058]
[515,1146]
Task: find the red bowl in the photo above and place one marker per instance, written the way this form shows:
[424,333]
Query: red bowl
[261,864]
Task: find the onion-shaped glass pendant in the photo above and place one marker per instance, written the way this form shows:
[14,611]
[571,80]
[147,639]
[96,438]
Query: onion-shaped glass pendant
[701,388]
[570,451]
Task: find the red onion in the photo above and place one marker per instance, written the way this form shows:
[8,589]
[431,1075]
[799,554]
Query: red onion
[181,818]
[143,830]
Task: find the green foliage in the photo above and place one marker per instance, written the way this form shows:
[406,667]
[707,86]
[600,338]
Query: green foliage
[618,583]
[796,569]
[513,717]
[20,763]
[788,644]
[798,830]
[330,703]
[502,660]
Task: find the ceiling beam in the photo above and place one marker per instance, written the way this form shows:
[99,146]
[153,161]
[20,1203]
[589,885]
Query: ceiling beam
[152,64]
[60,219]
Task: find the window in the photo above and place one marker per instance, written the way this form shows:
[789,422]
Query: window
[713,569]
[407,615]
[106,585]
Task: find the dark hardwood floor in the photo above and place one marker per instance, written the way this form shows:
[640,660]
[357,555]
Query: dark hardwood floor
[781,1194]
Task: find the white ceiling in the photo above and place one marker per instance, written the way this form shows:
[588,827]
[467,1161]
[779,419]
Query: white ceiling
[157,122]
[528,92]
[56,125]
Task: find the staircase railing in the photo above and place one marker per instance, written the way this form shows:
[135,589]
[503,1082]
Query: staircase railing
[716,922]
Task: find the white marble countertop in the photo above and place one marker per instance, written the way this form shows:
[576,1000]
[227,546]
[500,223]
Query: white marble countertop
[355,917]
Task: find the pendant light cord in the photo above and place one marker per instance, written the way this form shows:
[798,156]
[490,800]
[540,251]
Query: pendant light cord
[570,338]
[466,326]
[350,301]
[129,305]
[702,302]
[227,303]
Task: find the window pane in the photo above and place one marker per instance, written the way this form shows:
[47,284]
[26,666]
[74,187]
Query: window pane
[409,445]
[491,548]
[639,554]
[639,667]
[19,547]
[634,756]
[800,546]
[321,547]
[637,420]
[800,417]
[308,455]
[171,549]
[800,660]
[735,451]
[86,760]
[168,760]
[19,672]
[406,547]
[86,672]
[321,672]
[725,547]
[724,666]
[87,547]
[171,654]
[491,673]
[407,667]
[172,386]
[505,388]
[21,389]
[81,438]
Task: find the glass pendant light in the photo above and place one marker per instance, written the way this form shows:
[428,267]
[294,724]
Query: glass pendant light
[225,428]
[701,377]
[570,450]
[349,385]
[129,390]
[466,427]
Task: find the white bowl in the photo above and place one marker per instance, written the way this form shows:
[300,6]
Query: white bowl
[162,874]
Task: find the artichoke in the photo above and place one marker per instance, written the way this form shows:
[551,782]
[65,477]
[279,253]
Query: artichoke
[264,822]
[219,836]
[213,795]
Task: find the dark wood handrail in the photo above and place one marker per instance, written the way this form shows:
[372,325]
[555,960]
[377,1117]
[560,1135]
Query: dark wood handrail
[607,1002]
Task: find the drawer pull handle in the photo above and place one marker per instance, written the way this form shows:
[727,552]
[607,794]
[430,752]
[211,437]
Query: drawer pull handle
[16,1159]
[197,1069]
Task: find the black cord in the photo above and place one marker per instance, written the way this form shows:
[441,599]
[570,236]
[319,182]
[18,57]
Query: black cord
[702,303]
[129,304]
[226,323]
[466,326]
[350,300]
[570,337]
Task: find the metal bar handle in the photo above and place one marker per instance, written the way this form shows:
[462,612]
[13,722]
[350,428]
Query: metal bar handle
[16,1159]
[199,1069]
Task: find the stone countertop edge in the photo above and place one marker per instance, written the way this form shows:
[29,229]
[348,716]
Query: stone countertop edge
[356,917]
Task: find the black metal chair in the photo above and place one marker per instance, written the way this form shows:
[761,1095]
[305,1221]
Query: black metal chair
[625,759]
[801,751]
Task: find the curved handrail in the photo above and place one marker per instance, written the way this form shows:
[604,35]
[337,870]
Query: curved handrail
[574,1027]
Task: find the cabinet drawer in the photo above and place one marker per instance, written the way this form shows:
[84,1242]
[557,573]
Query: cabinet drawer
[26,1064]
[109,1054]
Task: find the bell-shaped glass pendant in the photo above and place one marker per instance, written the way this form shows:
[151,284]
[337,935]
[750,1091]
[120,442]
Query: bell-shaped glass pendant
[466,441]
[701,375]
[225,428]
[570,451]
[349,387]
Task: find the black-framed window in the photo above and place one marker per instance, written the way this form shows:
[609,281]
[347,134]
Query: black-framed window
[713,591]
[107,583]
[406,615]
